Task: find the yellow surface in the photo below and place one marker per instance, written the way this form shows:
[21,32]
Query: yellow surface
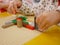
[50,37]
[5,14]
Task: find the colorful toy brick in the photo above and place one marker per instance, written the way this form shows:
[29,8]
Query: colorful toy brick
[25,22]
[14,21]
[7,25]
[19,22]
[29,26]
[23,17]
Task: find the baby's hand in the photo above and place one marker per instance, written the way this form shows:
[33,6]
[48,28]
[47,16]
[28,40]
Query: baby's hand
[13,6]
[48,19]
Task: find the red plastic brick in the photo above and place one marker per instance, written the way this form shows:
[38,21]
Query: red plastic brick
[19,18]
[29,27]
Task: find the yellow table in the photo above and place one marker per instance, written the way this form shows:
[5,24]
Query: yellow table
[50,37]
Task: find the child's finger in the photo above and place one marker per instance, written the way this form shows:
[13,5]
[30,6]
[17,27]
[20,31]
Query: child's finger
[19,3]
[13,10]
[15,7]
[38,19]
[43,24]
[40,28]
[42,18]
[9,9]
[46,26]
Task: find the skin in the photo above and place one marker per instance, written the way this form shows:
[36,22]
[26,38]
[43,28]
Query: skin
[47,19]
[11,6]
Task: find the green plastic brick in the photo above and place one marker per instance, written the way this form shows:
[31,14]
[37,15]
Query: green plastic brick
[14,21]
[23,17]
[25,22]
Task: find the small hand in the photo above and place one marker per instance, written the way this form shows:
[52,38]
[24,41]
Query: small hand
[13,6]
[48,19]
